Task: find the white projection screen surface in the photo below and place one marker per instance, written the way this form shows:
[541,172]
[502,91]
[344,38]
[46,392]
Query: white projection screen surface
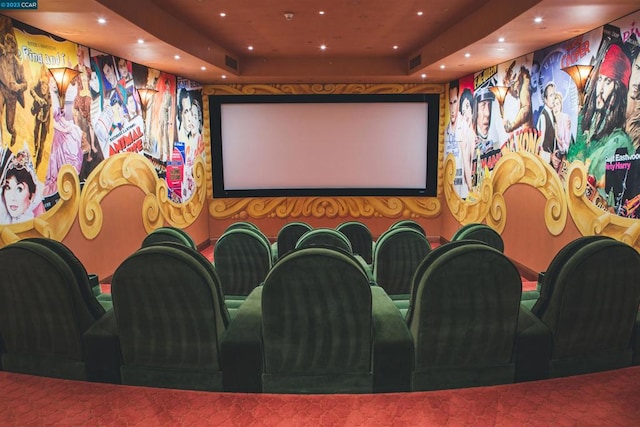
[305,148]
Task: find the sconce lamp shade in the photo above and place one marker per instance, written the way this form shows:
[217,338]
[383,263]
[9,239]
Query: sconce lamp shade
[63,77]
[500,92]
[580,75]
[145,97]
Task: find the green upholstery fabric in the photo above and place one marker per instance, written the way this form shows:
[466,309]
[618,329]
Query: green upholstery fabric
[324,237]
[96,308]
[242,224]
[360,238]
[165,305]
[288,236]
[223,316]
[593,308]
[410,224]
[465,319]
[169,234]
[317,325]
[481,232]
[397,254]
[242,358]
[42,313]
[548,279]
[463,229]
[242,259]
[426,262]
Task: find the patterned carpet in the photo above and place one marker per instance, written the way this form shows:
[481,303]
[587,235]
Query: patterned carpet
[604,399]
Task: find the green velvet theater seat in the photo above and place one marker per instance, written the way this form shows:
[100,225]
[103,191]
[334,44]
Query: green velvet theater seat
[168,322]
[242,259]
[45,318]
[409,223]
[464,320]
[397,254]
[592,309]
[536,300]
[169,234]
[310,335]
[324,237]
[288,237]
[407,308]
[481,232]
[360,238]
[317,325]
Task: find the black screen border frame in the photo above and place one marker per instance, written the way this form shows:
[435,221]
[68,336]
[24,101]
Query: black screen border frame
[217,168]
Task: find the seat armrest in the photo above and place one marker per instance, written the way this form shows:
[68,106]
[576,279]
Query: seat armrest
[242,354]
[102,347]
[392,345]
[534,344]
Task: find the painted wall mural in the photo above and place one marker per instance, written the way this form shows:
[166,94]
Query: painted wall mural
[46,136]
[530,106]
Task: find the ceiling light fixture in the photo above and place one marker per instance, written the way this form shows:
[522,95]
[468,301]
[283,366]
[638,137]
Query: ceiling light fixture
[102,21]
[176,56]
[203,68]
[140,41]
[442,67]
[395,47]
[420,13]
[424,76]
[222,14]
[537,19]
[501,40]
[323,47]
[467,55]
[250,47]
[321,12]
[224,76]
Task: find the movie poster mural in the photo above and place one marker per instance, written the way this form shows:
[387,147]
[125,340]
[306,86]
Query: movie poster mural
[542,113]
[101,116]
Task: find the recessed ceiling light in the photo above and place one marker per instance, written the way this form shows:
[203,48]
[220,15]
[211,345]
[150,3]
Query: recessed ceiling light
[395,47]
[224,76]
[467,55]
[323,47]
[420,13]
[537,19]
[442,67]
[203,68]
[140,41]
[102,21]
[250,47]
[424,76]
[501,39]
[176,56]
[321,12]
[222,14]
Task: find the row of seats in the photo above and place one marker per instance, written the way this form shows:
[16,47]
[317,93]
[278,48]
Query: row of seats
[243,255]
[317,324]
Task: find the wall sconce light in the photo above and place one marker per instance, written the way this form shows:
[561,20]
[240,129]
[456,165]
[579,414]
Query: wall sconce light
[63,77]
[146,95]
[500,92]
[580,75]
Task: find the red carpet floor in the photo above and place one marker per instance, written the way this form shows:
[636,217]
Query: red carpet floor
[604,399]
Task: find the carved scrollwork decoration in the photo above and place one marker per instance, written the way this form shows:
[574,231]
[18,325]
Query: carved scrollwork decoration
[472,209]
[592,220]
[133,169]
[523,167]
[320,89]
[57,221]
[489,204]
